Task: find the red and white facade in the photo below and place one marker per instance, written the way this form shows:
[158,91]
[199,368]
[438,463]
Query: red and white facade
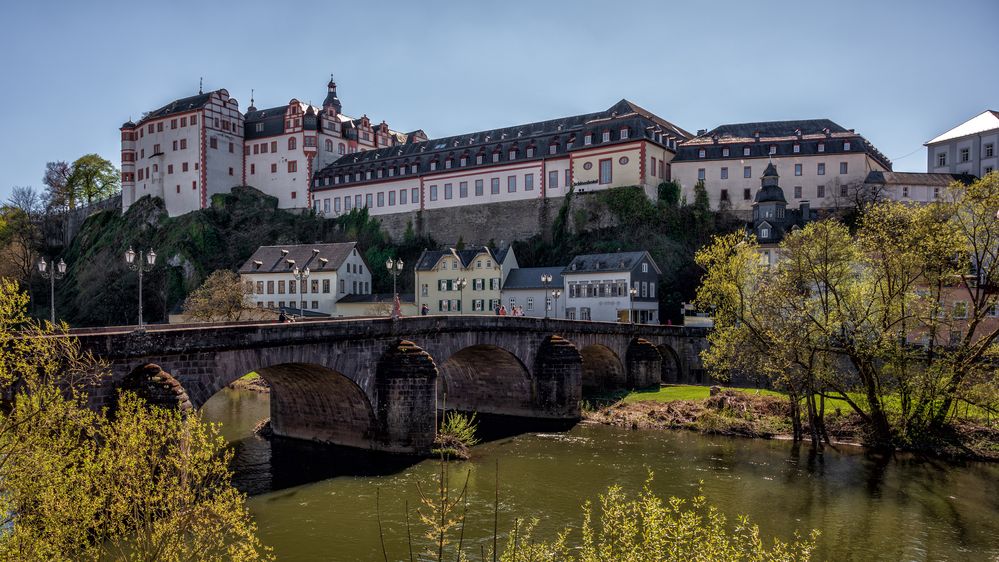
[195,147]
[183,153]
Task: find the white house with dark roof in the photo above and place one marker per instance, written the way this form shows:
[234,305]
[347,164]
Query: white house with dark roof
[598,287]
[969,148]
[911,187]
[335,271]
[524,287]
[820,161]
[623,145]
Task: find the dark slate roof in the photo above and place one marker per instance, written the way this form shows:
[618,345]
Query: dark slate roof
[917,178]
[783,134]
[376,298]
[617,261]
[429,258]
[530,277]
[178,106]
[272,118]
[270,259]
[640,122]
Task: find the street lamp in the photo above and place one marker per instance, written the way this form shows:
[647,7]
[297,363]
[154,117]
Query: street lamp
[302,277]
[58,273]
[144,264]
[546,281]
[394,267]
[632,293]
[556,293]
[461,283]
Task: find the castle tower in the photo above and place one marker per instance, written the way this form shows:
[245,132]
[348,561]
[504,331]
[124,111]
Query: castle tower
[332,102]
[128,138]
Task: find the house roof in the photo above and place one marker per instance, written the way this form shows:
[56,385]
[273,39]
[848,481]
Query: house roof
[178,106]
[916,178]
[987,120]
[283,259]
[617,261]
[806,133]
[530,277]
[429,258]
[640,122]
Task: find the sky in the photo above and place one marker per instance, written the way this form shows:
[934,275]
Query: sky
[899,73]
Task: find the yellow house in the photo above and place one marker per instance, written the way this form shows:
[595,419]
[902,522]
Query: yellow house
[462,281]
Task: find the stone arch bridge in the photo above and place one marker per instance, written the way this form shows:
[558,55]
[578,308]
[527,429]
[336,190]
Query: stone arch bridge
[378,383]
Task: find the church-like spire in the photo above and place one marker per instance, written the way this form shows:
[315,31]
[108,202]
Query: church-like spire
[331,99]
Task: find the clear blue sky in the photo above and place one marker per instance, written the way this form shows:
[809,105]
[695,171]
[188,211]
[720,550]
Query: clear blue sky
[899,73]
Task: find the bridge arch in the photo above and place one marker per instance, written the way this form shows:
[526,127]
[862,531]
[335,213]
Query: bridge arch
[485,378]
[644,364]
[602,368]
[671,368]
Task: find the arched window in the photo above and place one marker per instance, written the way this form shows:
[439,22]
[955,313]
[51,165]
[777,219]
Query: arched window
[341,149]
[292,143]
[329,145]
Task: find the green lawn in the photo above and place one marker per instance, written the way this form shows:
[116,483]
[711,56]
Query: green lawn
[670,393]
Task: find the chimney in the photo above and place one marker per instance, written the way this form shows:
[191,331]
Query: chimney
[701,132]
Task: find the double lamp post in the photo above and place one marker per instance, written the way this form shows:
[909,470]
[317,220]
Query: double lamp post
[58,271]
[143,265]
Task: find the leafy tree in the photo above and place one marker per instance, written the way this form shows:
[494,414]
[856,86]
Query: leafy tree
[224,296]
[866,319]
[77,484]
[92,179]
[669,193]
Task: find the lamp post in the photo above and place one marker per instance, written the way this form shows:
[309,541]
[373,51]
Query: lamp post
[632,292]
[58,272]
[394,267]
[144,264]
[546,281]
[556,293]
[302,277]
[461,283]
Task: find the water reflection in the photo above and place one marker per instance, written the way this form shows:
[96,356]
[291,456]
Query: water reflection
[868,506]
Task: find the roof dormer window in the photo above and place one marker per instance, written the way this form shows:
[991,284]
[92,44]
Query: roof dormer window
[701,153]
[433,165]
[605,137]
[624,133]
[463,161]
[822,147]
[725,152]
[513,154]
[796,148]
[745,151]
[588,139]
[496,156]
[478,158]
[530,152]
[846,145]
[552,148]
[447,163]
[773,149]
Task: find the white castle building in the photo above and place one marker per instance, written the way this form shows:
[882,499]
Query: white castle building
[195,147]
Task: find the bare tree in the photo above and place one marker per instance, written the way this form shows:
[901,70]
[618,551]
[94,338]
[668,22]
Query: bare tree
[224,296]
[26,199]
[56,180]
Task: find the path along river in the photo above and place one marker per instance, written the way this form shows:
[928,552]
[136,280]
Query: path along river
[314,503]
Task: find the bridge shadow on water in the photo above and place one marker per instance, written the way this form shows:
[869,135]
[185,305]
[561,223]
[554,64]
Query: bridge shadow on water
[269,464]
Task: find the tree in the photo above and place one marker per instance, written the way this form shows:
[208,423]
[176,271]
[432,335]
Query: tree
[20,238]
[669,193]
[92,179]
[76,484]
[867,319]
[56,180]
[224,296]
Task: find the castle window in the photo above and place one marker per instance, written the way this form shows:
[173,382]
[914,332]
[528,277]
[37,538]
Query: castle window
[552,148]
[274,168]
[796,149]
[463,161]
[447,163]
[292,166]
[724,195]
[605,137]
[433,165]
[773,149]
[821,169]
[724,173]
[624,133]
[700,174]
[764,232]
[725,152]
[341,149]
[653,167]
[797,192]
[846,145]
[797,169]
[606,174]
[820,191]
[513,154]
[965,154]
[701,153]
[292,143]
[745,151]
[588,139]
[843,167]
[747,171]
[496,156]
[478,159]
[530,151]
[329,145]
[942,159]
[822,147]
[746,194]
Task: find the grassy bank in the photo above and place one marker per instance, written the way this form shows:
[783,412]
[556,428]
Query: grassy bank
[767,414]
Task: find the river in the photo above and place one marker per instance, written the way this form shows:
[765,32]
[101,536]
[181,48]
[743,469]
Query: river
[317,503]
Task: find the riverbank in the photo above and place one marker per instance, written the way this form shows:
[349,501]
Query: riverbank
[766,414]
[252,382]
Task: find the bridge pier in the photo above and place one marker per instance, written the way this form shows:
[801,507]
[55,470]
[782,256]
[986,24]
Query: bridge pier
[558,379]
[406,385]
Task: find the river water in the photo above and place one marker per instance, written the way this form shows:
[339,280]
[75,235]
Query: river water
[316,503]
